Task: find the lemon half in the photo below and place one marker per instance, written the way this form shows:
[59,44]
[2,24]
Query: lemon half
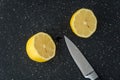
[83,23]
[41,47]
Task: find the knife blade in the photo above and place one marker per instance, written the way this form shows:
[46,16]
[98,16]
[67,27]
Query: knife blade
[82,63]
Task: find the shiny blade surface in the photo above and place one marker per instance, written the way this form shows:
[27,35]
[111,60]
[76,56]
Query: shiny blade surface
[79,59]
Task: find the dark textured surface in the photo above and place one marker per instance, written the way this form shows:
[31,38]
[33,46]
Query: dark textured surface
[20,19]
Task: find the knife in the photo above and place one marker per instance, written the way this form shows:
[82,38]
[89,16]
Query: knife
[82,63]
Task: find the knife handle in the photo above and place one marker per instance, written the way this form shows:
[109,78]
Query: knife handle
[92,76]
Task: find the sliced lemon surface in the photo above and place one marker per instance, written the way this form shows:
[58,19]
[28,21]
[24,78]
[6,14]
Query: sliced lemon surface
[83,23]
[41,47]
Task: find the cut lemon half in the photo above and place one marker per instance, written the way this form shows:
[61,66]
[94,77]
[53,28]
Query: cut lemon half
[41,47]
[83,23]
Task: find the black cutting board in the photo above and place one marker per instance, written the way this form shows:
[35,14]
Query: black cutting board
[20,19]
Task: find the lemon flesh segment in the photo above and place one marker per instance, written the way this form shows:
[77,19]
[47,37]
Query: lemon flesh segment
[40,47]
[83,23]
